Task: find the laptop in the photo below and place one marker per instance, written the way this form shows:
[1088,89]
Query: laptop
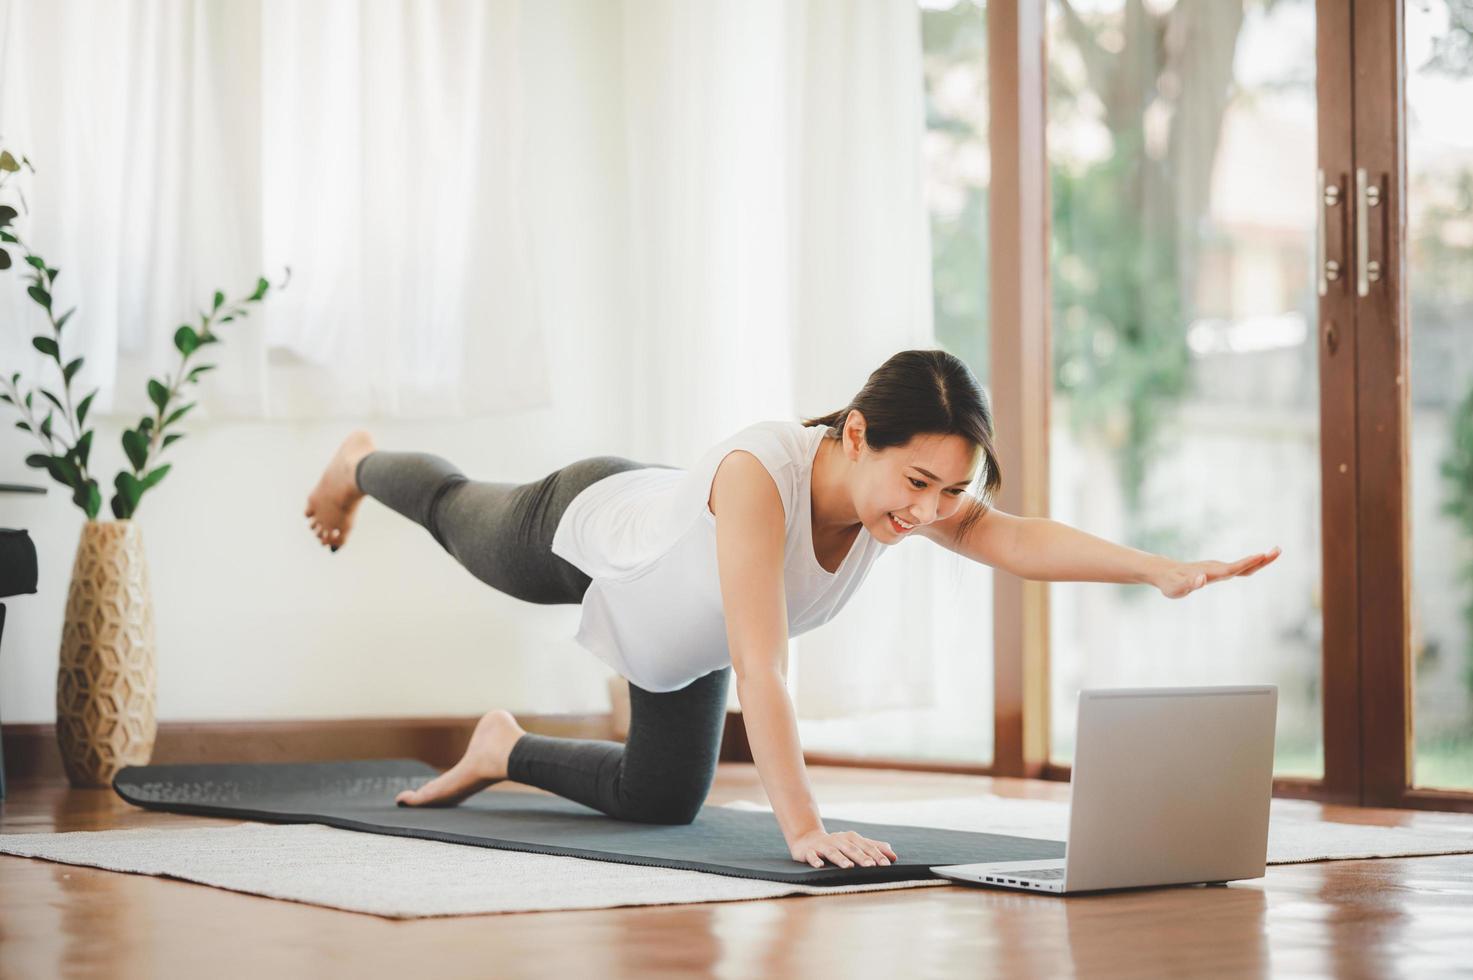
[1171,786]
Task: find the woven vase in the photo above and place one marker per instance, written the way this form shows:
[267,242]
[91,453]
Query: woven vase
[105,684]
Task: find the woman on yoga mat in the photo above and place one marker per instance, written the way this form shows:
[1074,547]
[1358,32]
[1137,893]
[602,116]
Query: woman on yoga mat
[686,576]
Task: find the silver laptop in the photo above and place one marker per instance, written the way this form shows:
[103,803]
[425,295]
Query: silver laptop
[1171,785]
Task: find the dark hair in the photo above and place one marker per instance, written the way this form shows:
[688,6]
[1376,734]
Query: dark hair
[924,392]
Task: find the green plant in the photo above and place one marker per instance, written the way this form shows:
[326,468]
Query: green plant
[67,457]
[1120,353]
[1444,296]
[1457,470]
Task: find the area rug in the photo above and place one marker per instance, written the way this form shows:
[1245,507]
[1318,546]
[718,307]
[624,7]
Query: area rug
[408,878]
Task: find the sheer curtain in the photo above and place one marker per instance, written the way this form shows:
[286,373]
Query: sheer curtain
[376,149]
[771,209]
[780,253]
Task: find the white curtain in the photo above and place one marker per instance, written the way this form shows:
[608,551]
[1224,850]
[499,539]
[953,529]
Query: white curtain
[781,252]
[771,214]
[375,148]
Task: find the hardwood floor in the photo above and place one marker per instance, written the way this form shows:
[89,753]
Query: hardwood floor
[1407,917]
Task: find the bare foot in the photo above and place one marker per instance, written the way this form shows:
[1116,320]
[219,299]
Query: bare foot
[484,763]
[331,503]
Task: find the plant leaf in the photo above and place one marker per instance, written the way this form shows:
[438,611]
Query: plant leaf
[7,162]
[219,299]
[129,489]
[64,318]
[88,498]
[186,340]
[83,448]
[46,346]
[71,369]
[176,415]
[62,471]
[201,369]
[7,215]
[37,460]
[46,425]
[36,261]
[261,286]
[135,445]
[170,438]
[23,426]
[40,296]
[154,477]
[86,404]
[54,400]
[157,394]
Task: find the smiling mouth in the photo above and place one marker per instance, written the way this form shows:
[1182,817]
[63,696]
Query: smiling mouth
[897,527]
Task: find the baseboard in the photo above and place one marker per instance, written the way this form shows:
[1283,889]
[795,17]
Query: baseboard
[30,750]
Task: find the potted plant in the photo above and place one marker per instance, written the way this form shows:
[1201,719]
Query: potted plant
[105,690]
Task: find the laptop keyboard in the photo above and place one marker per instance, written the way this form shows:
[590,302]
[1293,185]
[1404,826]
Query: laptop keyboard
[1044,874]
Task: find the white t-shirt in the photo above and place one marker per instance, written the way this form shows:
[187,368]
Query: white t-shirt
[648,541]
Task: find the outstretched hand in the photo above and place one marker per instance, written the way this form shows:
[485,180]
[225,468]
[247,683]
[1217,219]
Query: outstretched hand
[1184,577]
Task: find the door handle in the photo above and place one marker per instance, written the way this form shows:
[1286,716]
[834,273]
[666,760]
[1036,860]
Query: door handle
[1367,196]
[1327,270]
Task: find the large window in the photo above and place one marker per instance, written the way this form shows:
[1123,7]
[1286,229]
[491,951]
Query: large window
[1439,64]
[1182,149]
[1246,347]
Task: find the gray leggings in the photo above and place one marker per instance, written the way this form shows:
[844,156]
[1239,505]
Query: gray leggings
[502,534]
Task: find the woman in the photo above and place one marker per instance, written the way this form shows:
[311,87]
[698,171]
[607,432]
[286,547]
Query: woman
[685,577]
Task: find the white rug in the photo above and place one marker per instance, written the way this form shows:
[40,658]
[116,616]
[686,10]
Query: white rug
[1295,832]
[407,878]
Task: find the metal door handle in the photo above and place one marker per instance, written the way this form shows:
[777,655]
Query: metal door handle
[1327,270]
[1367,195]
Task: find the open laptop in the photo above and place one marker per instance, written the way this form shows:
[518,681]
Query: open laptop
[1171,785]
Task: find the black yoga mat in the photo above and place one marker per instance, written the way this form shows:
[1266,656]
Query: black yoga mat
[359,795]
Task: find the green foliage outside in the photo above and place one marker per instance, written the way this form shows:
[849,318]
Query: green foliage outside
[1120,351]
[1120,354]
[1445,268]
[959,261]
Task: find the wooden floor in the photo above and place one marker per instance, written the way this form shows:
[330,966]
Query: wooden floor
[1407,917]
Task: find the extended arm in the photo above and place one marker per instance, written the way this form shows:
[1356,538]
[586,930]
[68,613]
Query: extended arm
[1044,550]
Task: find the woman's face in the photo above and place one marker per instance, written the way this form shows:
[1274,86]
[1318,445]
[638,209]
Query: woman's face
[919,483]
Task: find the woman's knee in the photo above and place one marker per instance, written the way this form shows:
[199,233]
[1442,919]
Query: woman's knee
[671,813]
[677,804]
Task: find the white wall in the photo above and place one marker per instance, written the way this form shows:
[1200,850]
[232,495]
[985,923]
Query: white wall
[255,619]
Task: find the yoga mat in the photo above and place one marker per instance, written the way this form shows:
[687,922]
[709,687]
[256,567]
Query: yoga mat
[406,878]
[359,795]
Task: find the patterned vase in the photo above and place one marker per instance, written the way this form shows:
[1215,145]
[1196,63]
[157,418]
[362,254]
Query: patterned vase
[105,684]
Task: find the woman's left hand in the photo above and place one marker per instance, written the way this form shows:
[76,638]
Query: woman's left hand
[1182,577]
